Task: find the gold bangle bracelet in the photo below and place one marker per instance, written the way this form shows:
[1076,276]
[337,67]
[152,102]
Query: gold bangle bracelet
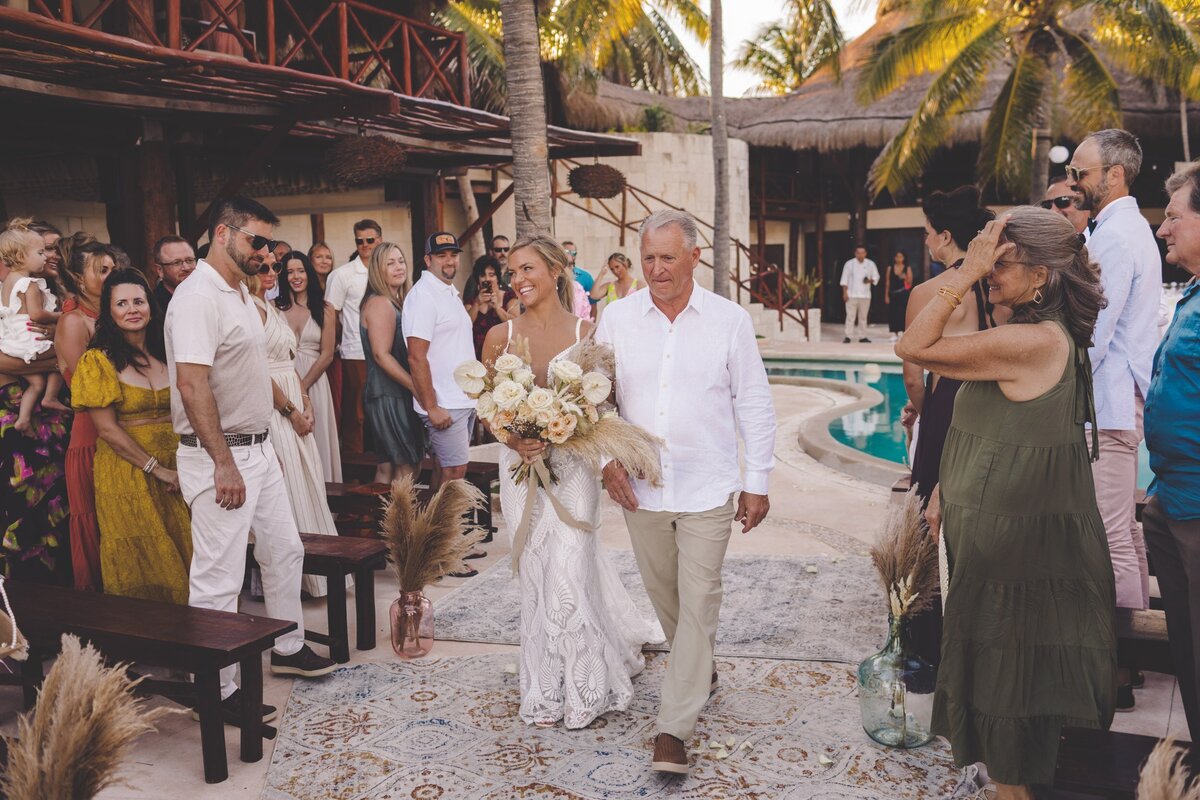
[950,296]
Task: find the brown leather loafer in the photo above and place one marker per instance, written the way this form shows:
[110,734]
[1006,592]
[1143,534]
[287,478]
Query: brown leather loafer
[669,755]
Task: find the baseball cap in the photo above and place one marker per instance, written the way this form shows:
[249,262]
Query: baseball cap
[440,242]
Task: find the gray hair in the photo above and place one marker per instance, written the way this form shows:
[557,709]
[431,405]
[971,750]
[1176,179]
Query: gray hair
[1119,148]
[670,216]
[1187,175]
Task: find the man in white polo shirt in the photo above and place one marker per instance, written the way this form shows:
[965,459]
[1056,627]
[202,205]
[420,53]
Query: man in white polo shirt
[344,292]
[438,330]
[221,407]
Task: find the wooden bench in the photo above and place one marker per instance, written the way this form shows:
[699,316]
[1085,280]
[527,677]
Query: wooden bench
[196,640]
[1142,641]
[335,557]
[1100,764]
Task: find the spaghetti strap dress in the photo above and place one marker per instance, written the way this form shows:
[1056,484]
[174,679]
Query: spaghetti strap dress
[1029,644]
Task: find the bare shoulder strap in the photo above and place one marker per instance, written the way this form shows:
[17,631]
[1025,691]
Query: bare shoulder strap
[508,341]
[578,326]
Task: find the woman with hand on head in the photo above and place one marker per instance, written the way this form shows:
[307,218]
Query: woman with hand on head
[1029,606]
[314,323]
[121,382]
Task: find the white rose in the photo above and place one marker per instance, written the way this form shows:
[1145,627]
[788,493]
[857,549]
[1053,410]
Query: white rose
[508,363]
[596,388]
[543,417]
[508,395]
[469,376]
[566,371]
[485,406]
[540,399]
[523,376]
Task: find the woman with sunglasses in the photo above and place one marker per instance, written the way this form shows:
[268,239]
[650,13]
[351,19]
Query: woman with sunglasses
[291,428]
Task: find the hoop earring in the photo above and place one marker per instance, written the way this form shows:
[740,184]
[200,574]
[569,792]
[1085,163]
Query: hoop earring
[1037,297]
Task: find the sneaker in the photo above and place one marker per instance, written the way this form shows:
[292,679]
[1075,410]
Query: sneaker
[669,755]
[865,340]
[1125,700]
[893,338]
[846,340]
[304,662]
[969,785]
[231,710]
[1138,679]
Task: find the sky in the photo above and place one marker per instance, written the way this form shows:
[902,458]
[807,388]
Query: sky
[743,18]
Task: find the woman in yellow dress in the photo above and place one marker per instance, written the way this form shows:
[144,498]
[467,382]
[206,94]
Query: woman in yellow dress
[122,382]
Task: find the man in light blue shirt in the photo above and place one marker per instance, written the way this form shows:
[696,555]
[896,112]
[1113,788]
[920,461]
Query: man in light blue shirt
[1101,172]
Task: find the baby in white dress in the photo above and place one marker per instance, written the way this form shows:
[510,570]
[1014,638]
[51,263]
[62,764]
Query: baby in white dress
[26,298]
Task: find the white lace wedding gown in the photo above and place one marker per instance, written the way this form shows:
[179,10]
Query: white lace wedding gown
[581,635]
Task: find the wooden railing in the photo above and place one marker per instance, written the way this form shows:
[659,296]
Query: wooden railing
[348,39]
[626,213]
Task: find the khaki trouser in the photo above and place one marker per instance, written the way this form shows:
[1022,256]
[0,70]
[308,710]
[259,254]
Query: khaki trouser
[680,557]
[857,309]
[1115,475]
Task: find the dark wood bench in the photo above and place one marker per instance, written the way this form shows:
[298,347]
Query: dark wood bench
[1142,640]
[480,474]
[335,557]
[196,640]
[1100,764]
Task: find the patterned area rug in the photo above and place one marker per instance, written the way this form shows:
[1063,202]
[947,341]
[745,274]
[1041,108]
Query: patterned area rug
[819,608]
[448,728]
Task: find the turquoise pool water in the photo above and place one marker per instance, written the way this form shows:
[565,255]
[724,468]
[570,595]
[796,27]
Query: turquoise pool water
[877,430]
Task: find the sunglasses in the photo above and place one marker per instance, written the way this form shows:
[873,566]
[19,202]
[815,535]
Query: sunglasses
[499,249]
[256,242]
[1076,174]
[265,268]
[365,240]
[1057,202]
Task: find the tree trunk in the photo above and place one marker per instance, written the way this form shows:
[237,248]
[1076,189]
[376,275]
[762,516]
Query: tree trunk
[1041,164]
[720,147]
[473,247]
[527,112]
[1183,127]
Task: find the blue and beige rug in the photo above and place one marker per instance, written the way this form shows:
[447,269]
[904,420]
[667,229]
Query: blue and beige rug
[819,608]
[448,728]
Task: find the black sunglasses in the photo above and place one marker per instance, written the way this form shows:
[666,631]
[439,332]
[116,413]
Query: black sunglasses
[1058,202]
[276,268]
[256,242]
[499,249]
[366,240]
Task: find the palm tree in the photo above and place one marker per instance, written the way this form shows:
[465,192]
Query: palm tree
[625,41]
[1054,56]
[527,113]
[785,54]
[720,149]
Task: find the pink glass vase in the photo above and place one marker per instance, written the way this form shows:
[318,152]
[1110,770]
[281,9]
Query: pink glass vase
[412,625]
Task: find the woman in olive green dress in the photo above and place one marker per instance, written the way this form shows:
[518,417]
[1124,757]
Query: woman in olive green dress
[1029,644]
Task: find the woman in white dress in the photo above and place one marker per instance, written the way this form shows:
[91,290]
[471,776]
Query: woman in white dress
[302,301]
[581,635]
[292,425]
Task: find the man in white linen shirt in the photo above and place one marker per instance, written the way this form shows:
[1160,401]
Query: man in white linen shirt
[1104,166]
[688,370]
[859,274]
[344,293]
[221,407]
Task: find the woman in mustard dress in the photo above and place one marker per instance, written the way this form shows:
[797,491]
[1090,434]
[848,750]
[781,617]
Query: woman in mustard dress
[121,380]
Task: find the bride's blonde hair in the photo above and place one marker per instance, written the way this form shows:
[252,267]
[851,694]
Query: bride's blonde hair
[556,259]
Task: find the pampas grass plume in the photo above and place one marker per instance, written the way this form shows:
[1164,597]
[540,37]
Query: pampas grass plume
[905,556]
[1164,777]
[426,543]
[70,746]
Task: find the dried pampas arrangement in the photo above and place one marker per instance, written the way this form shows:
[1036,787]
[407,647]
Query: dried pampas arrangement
[1164,776]
[70,746]
[906,558]
[426,543]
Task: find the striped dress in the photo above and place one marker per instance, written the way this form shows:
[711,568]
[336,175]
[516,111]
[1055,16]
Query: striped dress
[301,461]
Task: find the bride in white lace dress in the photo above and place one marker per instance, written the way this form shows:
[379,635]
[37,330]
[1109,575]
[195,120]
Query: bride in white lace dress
[581,635]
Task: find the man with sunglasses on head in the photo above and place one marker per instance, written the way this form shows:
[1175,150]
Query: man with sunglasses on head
[1103,168]
[1061,199]
[344,291]
[221,407]
[174,260]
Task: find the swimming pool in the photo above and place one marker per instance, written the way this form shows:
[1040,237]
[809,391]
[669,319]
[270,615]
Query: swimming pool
[877,431]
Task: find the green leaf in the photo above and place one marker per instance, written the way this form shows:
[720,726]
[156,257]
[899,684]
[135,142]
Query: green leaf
[1091,98]
[1005,149]
[922,47]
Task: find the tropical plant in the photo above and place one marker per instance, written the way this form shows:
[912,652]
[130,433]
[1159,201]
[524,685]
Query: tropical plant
[787,53]
[625,41]
[1054,56]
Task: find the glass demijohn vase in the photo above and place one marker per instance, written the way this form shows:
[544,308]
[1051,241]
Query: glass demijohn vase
[412,625]
[895,692]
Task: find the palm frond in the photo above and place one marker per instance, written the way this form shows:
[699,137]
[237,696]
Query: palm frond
[1091,97]
[426,543]
[480,21]
[905,157]
[1154,39]
[925,46]
[694,20]
[786,54]
[1004,154]
[772,57]
[71,745]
